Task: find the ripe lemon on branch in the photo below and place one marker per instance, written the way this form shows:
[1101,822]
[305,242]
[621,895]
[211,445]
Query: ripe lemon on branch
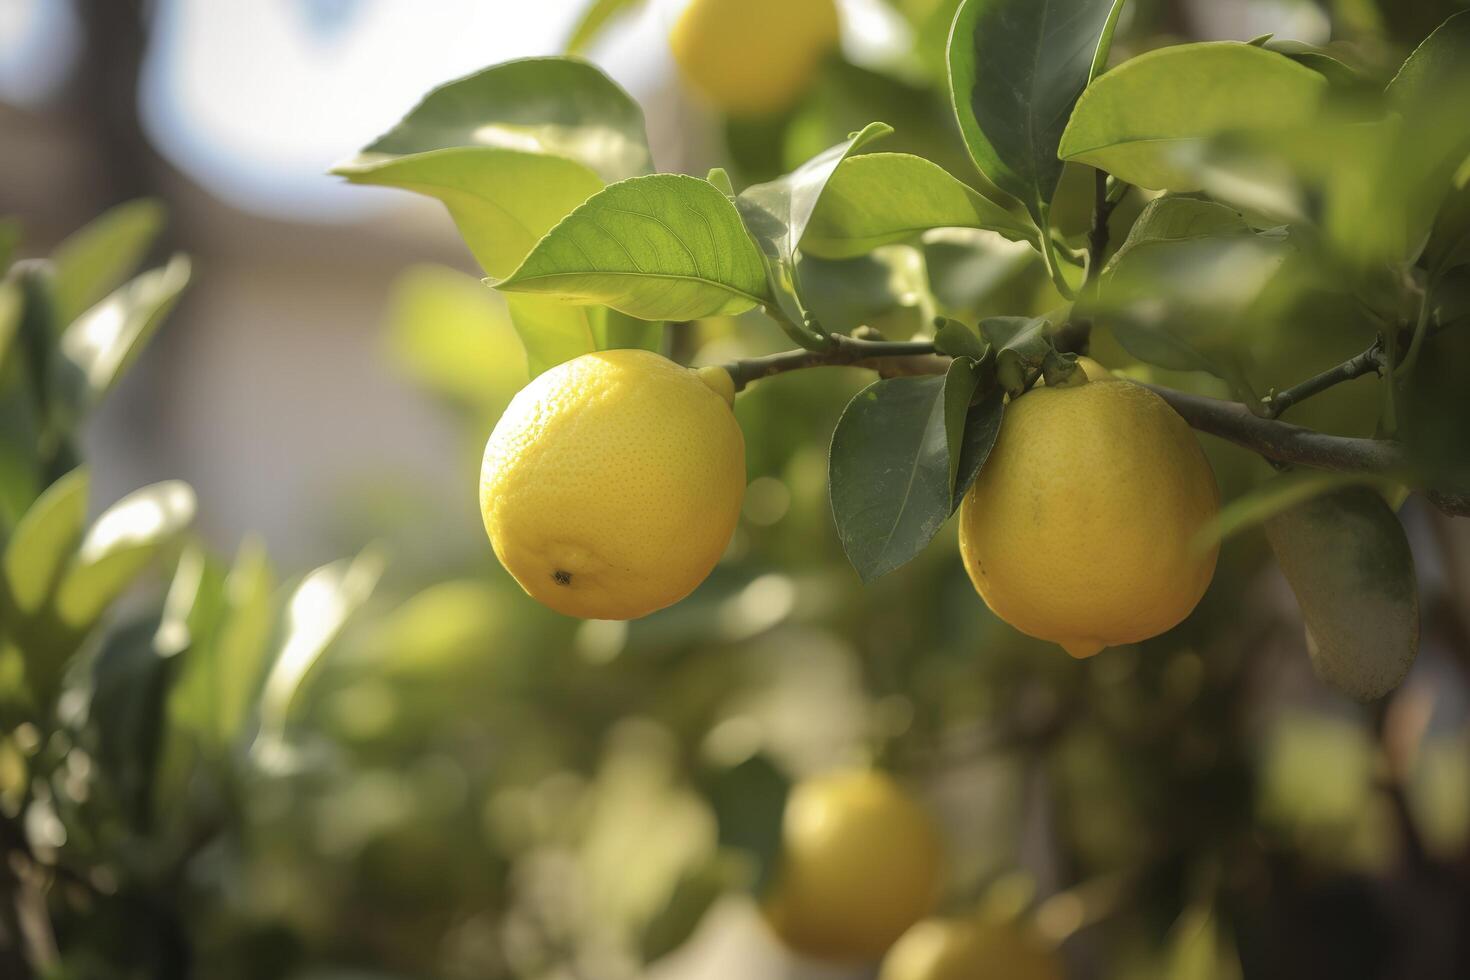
[860,863]
[612,483]
[1081,527]
[753,57]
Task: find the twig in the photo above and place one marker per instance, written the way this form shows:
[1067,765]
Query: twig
[1097,237]
[1371,360]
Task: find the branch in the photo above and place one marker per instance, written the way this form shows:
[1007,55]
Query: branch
[1279,441]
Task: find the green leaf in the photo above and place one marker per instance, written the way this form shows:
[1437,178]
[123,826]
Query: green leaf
[101,345]
[1347,559]
[241,646]
[886,289]
[118,546]
[451,335]
[502,200]
[1140,121]
[551,331]
[1338,74]
[10,232]
[595,17]
[557,107]
[12,304]
[661,247]
[878,198]
[1280,493]
[692,896]
[1449,241]
[1168,219]
[1437,68]
[612,330]
[130,682]
[1015,69]
[315,615]
[889,472]
[959,387]
[1020,344]
[44,540]
[959,340]
[718,177]
[777,213]
[982,428]
[96,259]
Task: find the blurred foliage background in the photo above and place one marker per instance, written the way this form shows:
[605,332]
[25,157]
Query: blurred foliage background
[217,761]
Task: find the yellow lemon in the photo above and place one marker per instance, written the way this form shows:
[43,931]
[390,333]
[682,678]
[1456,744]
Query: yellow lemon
[860,863]
[1080,528]
[612,483]
[960,949]
[1091,370]
[753,57]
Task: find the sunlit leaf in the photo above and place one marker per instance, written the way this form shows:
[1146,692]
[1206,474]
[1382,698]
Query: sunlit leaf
[777,213]
[889,470]
[612,330]
[44,540]
[551,106]
[315,615]
[1347,559]
[551,330]
[596,16]
[878,198]
[661,247]
[102,344]
[1016,67]
[118,546]
[240,649]
[94,260]
[1140,121]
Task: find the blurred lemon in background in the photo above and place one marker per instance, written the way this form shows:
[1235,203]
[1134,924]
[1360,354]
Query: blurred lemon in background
[860,863]
[753,57]
[960,949]
[1080,527]
[612,483]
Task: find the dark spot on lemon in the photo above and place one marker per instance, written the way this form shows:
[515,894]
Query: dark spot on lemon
[562,577]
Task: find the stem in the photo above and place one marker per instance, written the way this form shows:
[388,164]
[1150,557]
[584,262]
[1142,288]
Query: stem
[1371,360]
[1278,441]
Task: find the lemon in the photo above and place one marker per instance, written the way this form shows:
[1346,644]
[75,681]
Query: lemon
[860,863]
[1091,370]
[958,949]
[753,57]
[1081,526]
[612,483]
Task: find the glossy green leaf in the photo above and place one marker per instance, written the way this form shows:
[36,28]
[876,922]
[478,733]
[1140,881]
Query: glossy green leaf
[982,428]
[551,106]
[315,615]
[878,198]
[959,340]
[1168,219]
[661,247]
[1016,67]
[130,682]
[1140,121]
[596,16]
[889,472]
[451,335]
[1347,559]
[118,546]
[1437,68]
[101,345]
[959,387]
[44,540]
[777,213]
[1338,74]
[97,258]
[502,200]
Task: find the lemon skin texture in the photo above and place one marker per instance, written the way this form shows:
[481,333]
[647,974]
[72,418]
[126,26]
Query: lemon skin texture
[959,949]
[1080,528]
[753,57]
[613,482]
[860,863]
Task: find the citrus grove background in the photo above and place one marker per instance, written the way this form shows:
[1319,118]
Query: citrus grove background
[317,731]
